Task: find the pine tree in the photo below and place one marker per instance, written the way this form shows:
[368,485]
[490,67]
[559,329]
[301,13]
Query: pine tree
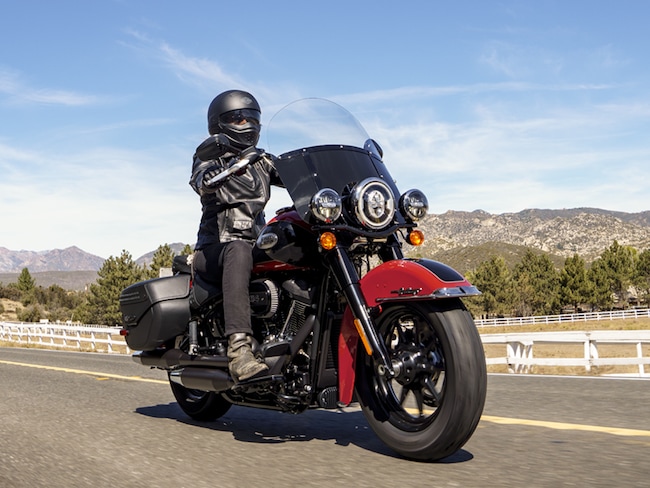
[642,276]
[619,265]
[537,284]
[600,296]
[574,285]
[25,281]
[103,297]
[162,258]
[494,280]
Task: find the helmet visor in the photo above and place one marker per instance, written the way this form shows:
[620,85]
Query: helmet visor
[241,117]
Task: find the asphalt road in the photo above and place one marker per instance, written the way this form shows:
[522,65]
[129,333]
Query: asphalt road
[76,419]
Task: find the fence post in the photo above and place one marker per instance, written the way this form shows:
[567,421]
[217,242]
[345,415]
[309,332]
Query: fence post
[591,352]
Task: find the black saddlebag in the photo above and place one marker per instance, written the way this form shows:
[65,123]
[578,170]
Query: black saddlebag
[155,311]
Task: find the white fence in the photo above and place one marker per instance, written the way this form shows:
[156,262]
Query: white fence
[519,352]
[634,313]
[82,337]
[518,347]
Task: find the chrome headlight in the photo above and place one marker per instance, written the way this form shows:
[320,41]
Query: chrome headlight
[374,203]
[326,205]
[414,205]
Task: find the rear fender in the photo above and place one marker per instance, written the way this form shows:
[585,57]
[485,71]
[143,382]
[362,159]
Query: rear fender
[390,282]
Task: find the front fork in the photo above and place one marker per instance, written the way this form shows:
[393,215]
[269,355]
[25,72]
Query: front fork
[348,279]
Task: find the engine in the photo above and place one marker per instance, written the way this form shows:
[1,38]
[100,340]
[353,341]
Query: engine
[279,310]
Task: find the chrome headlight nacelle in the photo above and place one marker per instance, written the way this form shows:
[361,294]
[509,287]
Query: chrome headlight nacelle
[326,205]
[373,203]
[414,205]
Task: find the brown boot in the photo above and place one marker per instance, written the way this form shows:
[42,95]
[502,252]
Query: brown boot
[242,363]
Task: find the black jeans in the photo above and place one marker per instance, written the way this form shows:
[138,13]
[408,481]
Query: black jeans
[229,265]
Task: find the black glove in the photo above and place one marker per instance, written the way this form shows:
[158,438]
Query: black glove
[207,176]
[252,154]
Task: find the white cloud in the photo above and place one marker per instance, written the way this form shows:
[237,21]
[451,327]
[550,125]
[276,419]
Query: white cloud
[195,70]
[18,91]
[208,75]
[103,201]
[503,159]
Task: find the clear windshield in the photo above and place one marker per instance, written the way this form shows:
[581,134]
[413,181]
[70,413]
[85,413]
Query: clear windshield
[318,145]
[313,122]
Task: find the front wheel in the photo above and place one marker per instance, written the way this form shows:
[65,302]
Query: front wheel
[198,404]
[432,406]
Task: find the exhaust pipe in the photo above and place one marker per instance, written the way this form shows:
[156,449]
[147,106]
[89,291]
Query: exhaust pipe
[203,379]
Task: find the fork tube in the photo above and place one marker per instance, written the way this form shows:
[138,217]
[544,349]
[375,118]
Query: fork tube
[348,280]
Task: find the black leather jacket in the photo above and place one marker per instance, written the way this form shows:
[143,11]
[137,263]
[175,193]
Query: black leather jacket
[235,210]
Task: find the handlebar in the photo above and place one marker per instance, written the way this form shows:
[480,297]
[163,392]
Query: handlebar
[236,167]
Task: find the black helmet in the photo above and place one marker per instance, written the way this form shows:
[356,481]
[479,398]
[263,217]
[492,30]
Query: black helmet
[236,114]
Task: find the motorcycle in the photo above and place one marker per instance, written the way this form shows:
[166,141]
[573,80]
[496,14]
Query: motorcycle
[339,313]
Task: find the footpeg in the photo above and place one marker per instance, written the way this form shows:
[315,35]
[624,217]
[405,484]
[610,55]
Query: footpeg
[258,383]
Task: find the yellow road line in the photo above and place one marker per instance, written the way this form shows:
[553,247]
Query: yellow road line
[487,418]
[566,426]
[90,373]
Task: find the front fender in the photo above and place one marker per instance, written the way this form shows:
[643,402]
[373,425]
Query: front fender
[394,281]
[414,279]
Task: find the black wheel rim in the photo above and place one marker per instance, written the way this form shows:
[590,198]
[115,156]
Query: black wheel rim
[412,399]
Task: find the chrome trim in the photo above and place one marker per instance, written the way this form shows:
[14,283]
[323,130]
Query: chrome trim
[440,293]
[361,190]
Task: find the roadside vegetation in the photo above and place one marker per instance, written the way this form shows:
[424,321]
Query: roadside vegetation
[619,278]
[24,301]
[534,285]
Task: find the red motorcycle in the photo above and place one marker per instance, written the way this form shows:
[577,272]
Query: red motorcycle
[339,313]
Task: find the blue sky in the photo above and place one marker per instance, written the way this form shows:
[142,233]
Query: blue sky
[493,105]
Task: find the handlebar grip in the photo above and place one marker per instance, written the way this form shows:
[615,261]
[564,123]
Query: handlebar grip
[225,174]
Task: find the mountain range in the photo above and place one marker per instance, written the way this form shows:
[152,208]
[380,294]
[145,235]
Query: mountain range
[464,239]
[460,239]
[68,259]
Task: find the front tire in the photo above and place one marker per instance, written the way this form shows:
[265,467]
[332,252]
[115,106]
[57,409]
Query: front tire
[198,404]
[432,406]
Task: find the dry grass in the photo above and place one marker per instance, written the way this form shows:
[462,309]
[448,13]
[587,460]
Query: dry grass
[616,324]
[10,308]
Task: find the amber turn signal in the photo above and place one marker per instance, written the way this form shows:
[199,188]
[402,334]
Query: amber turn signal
[327,240]
[416,237]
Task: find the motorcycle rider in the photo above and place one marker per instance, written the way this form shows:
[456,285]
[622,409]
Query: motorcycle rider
[232,217]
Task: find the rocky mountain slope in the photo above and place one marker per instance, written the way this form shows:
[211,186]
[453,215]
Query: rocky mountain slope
[68,259]
[587,232]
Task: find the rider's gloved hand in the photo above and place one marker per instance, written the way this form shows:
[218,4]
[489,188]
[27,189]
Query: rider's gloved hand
[252,154]
[207,176]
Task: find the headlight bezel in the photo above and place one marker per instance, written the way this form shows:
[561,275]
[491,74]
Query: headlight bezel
[373,203]
[326,205]
[414,205]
